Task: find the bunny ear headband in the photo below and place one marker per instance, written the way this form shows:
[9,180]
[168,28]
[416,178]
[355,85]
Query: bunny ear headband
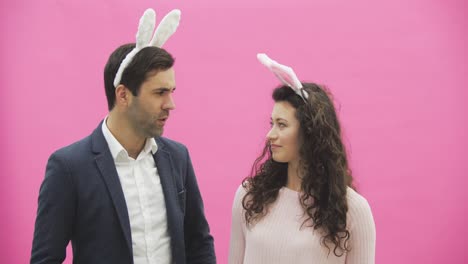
[285,74]
[146,38]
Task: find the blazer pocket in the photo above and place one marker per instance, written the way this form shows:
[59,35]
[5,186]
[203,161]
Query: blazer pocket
[182,197]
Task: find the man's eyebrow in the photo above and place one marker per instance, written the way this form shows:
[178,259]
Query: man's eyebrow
[163,89]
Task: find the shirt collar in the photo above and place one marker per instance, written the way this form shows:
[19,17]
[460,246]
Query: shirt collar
[150,146]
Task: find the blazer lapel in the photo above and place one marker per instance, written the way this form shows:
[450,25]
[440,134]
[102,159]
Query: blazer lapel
[106,166]
[166,174]
[164,165]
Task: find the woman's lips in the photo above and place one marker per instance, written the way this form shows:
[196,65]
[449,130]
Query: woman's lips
[274,146]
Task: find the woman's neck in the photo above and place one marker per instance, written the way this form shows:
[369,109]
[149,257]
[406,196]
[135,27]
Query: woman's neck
[294,181]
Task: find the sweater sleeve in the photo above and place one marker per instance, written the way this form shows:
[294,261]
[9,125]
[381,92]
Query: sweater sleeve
[362,230]
[237,241]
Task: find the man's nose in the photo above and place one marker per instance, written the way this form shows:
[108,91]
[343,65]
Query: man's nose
[169,104]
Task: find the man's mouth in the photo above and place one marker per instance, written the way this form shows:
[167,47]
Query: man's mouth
[162,121]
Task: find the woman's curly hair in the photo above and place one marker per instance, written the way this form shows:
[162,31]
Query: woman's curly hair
[323,165]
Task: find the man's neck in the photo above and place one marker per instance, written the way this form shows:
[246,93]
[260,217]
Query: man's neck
[125,135]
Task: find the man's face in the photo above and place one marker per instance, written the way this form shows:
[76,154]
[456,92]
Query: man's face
[149,111]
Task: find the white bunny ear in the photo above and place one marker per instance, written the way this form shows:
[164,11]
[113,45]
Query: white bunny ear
[145,28]
[143,36]
[166,28]
[284,73]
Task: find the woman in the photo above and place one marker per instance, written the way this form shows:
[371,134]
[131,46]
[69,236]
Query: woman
[299,205]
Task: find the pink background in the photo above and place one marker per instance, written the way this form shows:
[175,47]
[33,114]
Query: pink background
[398,70]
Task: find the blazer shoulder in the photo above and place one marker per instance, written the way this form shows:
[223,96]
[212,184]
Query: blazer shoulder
[172,145]
[74,150]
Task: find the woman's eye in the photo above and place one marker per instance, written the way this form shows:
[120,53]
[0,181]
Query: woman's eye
[281,125]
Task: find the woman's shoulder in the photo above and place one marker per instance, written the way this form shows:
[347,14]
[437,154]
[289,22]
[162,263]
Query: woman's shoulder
[241,190]
[358,206]
[355,198]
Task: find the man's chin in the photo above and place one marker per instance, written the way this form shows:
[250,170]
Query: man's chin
[157,133]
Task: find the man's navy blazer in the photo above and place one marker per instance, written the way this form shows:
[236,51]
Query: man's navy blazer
[81,200]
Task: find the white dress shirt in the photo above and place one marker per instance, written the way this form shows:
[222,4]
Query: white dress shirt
[145,201]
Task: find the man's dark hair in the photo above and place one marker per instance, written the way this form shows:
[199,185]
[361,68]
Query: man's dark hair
[146,61]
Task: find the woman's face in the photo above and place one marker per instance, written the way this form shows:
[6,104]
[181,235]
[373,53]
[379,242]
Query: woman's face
[284,133]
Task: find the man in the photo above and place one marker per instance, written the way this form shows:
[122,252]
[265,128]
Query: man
[124,194]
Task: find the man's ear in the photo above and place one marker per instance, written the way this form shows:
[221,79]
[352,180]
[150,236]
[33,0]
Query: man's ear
[122,95]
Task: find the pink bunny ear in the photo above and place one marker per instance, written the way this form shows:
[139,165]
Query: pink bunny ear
[284,73]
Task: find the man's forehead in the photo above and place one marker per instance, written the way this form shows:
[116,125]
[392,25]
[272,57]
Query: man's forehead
[160,72]
[163,79]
